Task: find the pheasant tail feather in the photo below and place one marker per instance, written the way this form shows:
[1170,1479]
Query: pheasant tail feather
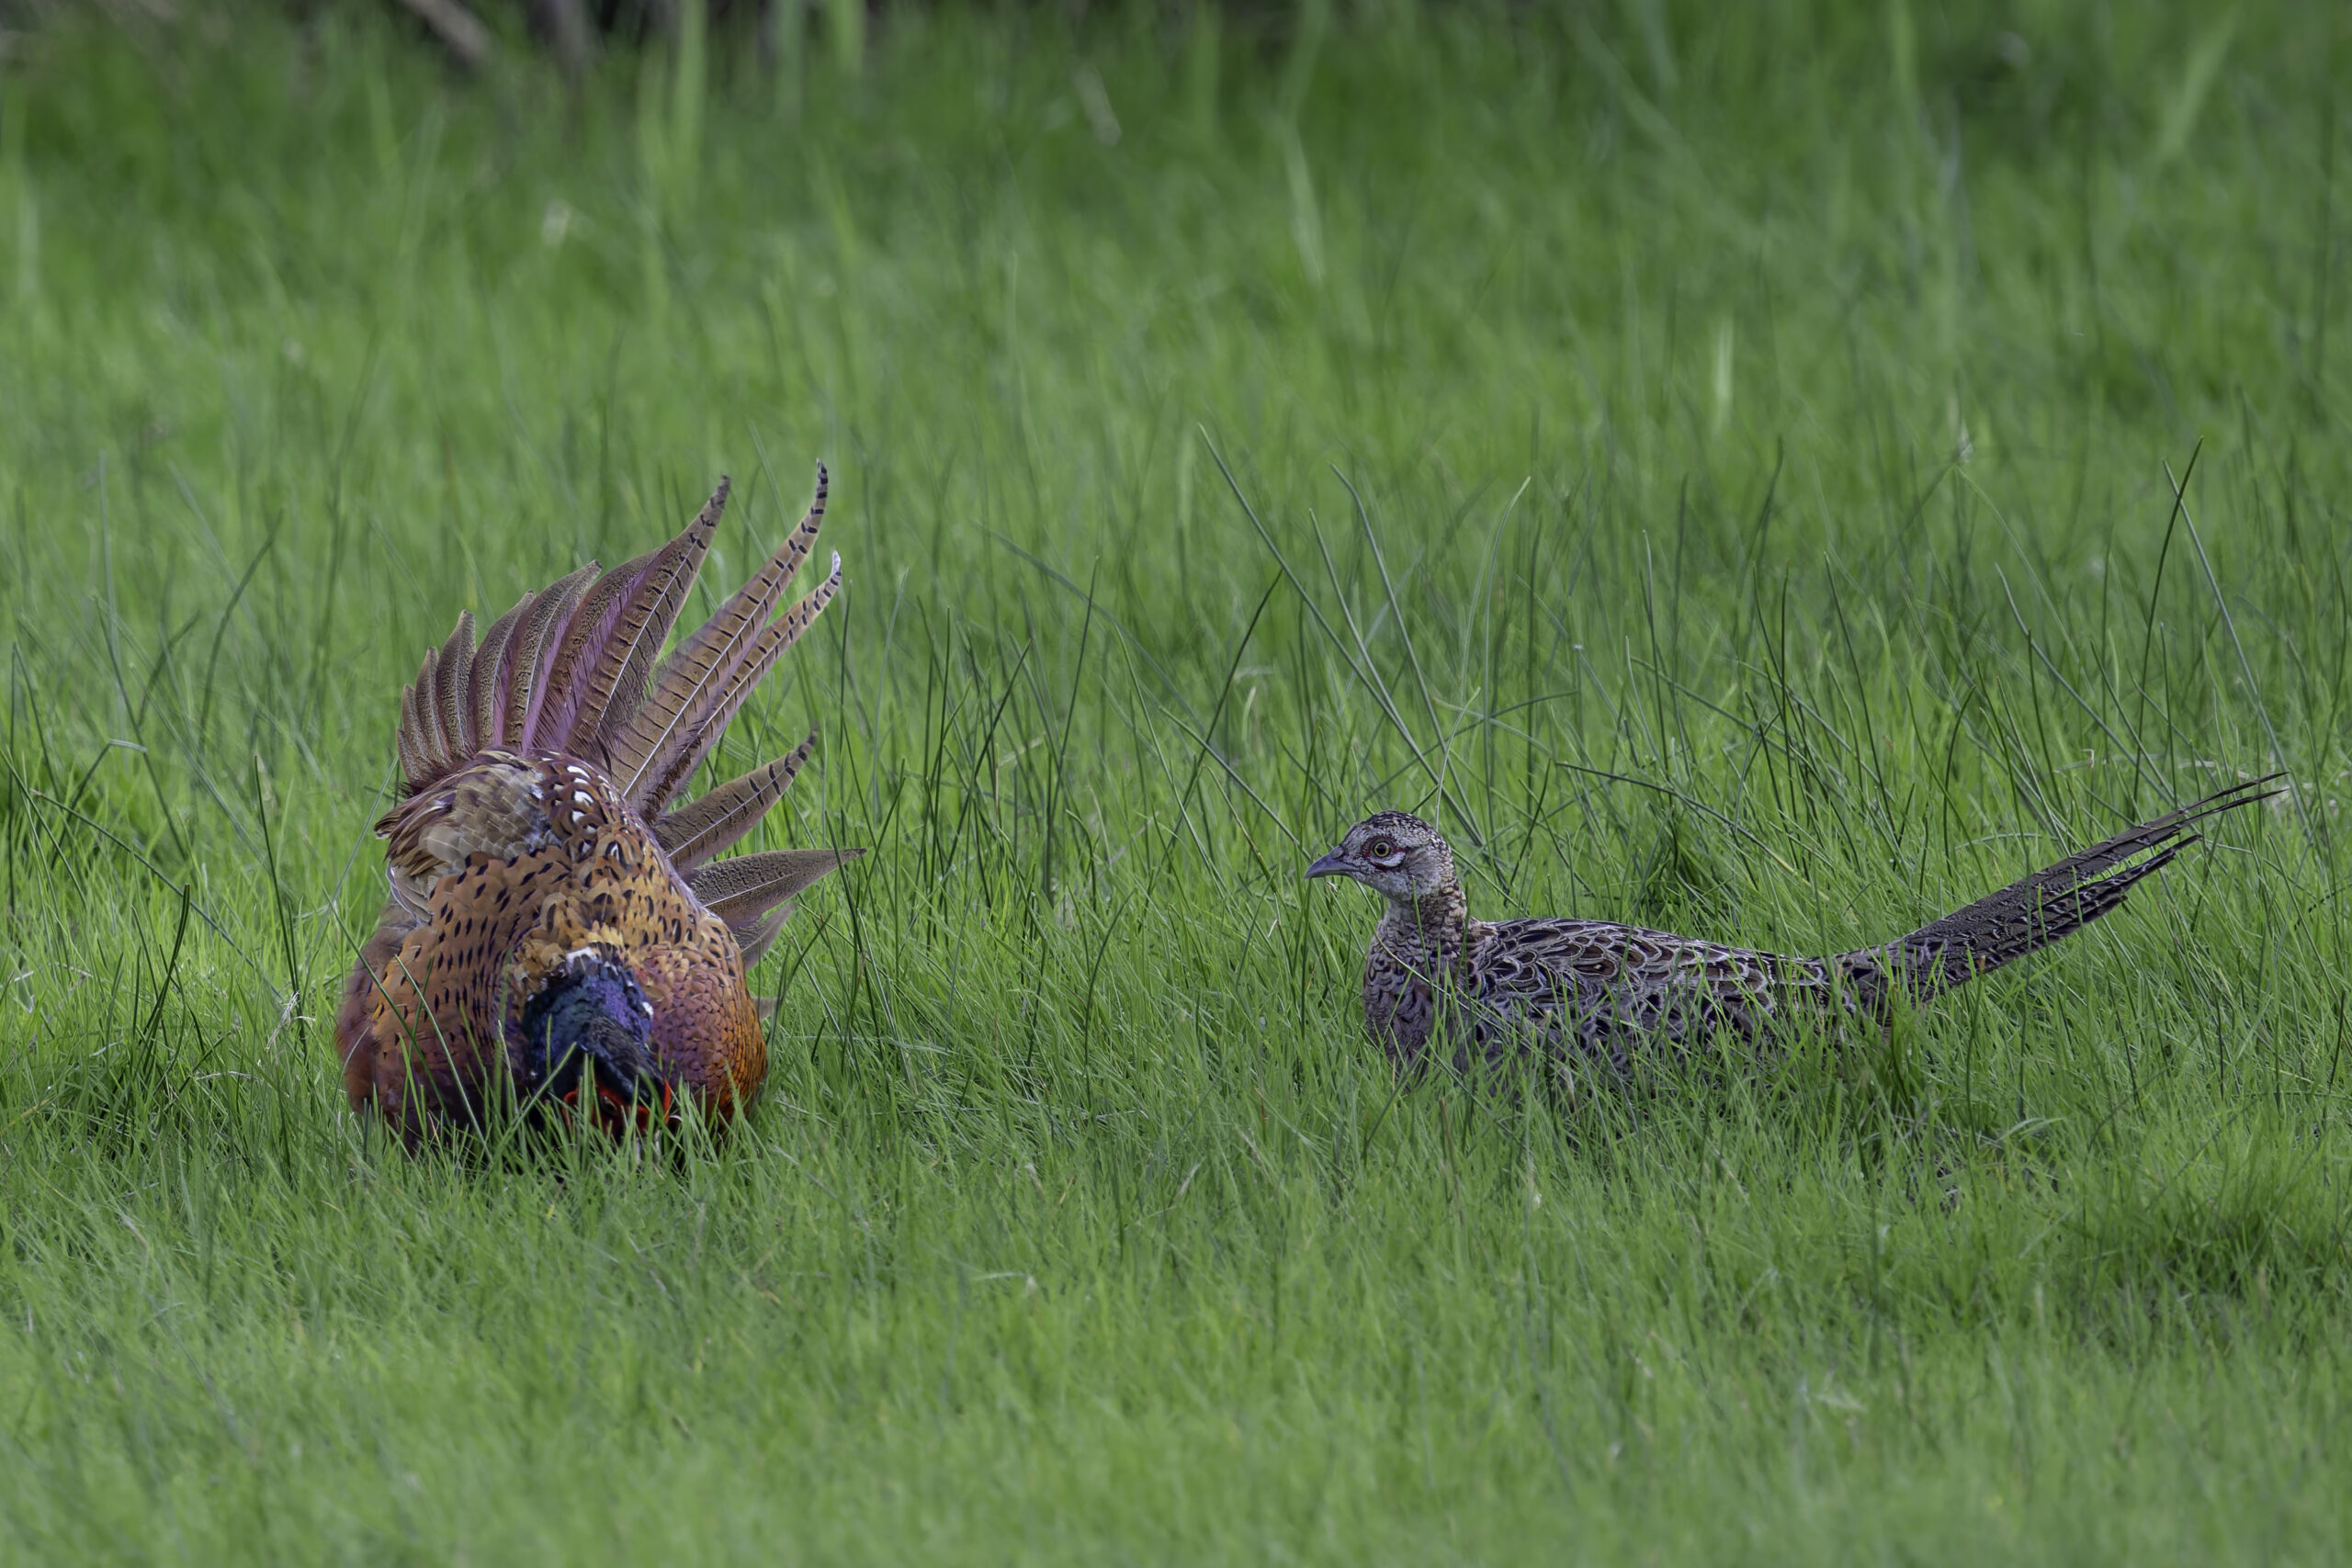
[744,890]
[718,710]
[535,648]
[617,638]
[755,941]
[450,680]
[487,692]
[675,726]
[2056,901]
[568,669]
[694,833]
[578,647]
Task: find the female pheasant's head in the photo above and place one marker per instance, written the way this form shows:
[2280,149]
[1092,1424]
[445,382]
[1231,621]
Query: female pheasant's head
[1396,855]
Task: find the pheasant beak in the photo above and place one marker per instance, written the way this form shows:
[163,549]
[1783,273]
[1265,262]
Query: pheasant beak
[1333,864]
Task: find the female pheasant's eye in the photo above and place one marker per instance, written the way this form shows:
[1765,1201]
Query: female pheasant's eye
[1380,848]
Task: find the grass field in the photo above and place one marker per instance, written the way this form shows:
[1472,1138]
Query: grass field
[1722,470]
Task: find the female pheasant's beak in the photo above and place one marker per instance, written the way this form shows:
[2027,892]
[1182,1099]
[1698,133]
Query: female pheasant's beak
[1333,864]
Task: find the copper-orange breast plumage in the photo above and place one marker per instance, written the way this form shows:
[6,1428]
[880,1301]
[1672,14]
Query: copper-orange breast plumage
[558,927]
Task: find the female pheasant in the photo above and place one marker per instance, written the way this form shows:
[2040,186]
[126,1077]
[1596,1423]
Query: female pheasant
[1599,992]
[554,921]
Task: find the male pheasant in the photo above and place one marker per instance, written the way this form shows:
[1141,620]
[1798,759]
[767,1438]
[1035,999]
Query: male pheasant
[1599,992]
[558,929]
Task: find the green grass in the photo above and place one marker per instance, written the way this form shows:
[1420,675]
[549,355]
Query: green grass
[1716,467]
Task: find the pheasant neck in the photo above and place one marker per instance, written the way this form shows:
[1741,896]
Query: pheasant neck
[1427,931]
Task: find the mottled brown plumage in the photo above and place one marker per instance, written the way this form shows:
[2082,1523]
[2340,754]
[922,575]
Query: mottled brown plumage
[550,924]
[1590,992]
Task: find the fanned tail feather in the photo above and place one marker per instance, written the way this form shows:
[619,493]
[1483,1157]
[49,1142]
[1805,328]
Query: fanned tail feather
[750,604]
[744,891]
[682,716]
[575,669]
[2054,902]
[585,637]
[450,683]
[716,819]
[755,939]
[536,646]
[428,707]
[619,684]
[686,754]
[612,639]
[486,694]
[556,668]
[416,768]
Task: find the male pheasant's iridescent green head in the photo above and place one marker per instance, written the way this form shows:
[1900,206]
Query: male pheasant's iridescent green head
[592,1014]
[1396,855]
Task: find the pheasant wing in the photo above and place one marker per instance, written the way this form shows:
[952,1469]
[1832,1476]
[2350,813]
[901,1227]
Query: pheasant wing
[1598,986]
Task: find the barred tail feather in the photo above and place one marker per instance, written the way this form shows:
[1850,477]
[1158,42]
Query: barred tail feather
[576,667]
[455,672]
[717,705]
[429,739]
[579,646]
[716,819]
[749,605]
[487,692]
[653,755]
[619,685]
[2054,902]
[609,646]
[755,939]
[415,771]
[536,646]
[744,891]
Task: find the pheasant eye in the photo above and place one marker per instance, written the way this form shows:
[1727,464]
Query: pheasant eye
[1380,848]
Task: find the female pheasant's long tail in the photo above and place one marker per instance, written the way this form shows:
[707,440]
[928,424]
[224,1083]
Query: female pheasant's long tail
[2029,914]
